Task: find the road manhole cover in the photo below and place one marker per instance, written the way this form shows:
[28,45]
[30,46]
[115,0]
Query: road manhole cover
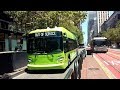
[93,68]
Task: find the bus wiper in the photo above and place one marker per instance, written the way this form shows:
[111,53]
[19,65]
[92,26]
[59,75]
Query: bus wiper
[39,53]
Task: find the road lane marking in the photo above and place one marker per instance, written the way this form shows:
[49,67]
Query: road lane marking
[105,69]
[106,62]
[113,62]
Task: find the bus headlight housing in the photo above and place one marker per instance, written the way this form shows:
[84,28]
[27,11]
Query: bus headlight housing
[29,60]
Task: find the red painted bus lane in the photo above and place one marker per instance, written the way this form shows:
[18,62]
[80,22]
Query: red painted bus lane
[114,51]
[112,61]
[116,56]
[112,65]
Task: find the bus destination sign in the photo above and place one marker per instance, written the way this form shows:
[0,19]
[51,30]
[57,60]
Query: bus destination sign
[41,34]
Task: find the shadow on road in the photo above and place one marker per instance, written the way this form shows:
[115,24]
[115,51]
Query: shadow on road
[44,71]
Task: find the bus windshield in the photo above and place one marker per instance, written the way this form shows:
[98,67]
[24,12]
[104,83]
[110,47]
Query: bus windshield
[45,45]
[99,42]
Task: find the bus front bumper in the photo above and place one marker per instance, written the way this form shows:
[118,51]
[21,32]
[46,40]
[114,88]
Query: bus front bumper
[45,67]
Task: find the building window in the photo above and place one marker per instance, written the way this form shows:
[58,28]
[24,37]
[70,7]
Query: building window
[0,24]
[4,25]
[2,36]
[2,41]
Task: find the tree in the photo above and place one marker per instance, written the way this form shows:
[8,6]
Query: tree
[31,20]
[113,34]
[70,26]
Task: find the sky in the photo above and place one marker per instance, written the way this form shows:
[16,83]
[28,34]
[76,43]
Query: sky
[84,27]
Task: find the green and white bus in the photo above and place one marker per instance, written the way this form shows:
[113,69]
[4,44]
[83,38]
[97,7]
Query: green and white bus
[51,48]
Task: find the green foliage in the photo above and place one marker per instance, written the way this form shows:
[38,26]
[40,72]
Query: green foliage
[70,26]
[113,34]
[30,20]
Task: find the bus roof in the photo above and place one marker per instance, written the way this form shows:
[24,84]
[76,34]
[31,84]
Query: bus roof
[95,38]
[62,29]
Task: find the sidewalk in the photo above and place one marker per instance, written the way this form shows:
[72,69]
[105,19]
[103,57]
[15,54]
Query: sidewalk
[91,69]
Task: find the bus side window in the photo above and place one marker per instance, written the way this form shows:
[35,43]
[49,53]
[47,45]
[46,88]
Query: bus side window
[66,46]
[72,44]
